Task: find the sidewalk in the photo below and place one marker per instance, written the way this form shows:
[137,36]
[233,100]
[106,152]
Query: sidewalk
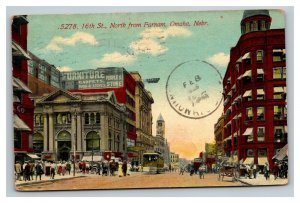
[47,178]
[261,180]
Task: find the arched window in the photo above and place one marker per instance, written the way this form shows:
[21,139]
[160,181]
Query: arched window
[92,141]
[38,143]
[92,118]
[37,119]
[109,141]
[97,117]
[86,118]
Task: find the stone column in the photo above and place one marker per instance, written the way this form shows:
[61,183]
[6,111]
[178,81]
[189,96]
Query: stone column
[45,133]
[82,138]
[104,132]
[51,134]
[79,132]
[73,130]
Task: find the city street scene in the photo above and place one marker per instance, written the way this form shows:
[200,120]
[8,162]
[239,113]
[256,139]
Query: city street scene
[149,100]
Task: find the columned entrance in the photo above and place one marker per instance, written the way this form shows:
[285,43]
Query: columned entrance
[64,145]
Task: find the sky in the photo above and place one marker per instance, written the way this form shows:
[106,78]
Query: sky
[129,40]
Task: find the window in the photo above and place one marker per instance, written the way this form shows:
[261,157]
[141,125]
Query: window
[260,134]
[92,118]
[92,141]
[76,85]
[279,133]
[260,94]
[63,118]
[38,143]
[259,56]
[109,141]
[63,84]
[279,92]
[17,139]
[280,112]
[262,152]
[86,118]
[247,27]
[278,55]
[260,113]
[279,73]
[97,117]
[117,143]
[249,113]
[250,153]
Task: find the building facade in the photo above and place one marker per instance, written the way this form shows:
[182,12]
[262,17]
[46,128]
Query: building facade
[219,136]
[82,124]
[255,113]
[105,80]
[175,164]
[42,76]
[143,108]
[22,104]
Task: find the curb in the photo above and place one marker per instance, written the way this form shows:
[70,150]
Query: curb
[45,181]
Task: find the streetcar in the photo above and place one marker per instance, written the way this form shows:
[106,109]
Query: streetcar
[153,163]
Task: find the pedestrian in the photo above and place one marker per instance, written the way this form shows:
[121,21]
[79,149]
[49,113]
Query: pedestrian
[275,171]
[68,167]
[59,168]
[124,168]
[38,171]
[27,172]
[266,171]
[181,170]
[83,165]
[52,170]
[18,170]
[254,167]
[32,170]
[140,168]
[120,170]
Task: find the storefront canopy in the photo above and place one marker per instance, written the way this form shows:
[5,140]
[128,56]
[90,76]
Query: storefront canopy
[20,125]
[262,160]
[17,50]
[246,56]
[260,92]
[248,73]
[33,156]
[283,152]
[248,131]
[260,71]
[92,158]
[249,160]
[18,85]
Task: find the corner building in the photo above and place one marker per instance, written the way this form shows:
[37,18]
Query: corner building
[255,110]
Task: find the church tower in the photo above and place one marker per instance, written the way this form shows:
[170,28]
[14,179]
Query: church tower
[160,126]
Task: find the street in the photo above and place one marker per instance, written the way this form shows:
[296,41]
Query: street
[135,180]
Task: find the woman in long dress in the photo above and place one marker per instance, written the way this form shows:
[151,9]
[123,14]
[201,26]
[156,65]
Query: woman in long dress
[120,171]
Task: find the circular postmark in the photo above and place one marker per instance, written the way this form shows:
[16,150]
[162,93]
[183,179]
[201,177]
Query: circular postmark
[194,89]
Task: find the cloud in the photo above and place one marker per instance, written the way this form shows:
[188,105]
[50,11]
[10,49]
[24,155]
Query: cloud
[64,69]
[115,57]
[147,46]
[150,42]
[83,37]
[221,59]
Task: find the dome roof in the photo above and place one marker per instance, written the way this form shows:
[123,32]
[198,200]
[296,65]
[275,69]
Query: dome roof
[249,13]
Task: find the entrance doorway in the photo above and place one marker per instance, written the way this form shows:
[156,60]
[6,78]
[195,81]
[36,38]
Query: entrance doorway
[64,145]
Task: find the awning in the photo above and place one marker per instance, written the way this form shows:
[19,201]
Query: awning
[237,98]
[90,158]
[228,138]
[262,160]
[246,56]
[278,50]
[239,60]
[233,87]
[240,115]
[248,131]
[229,93]
[16,99]
[248,73]
[283,152]
[240,77]
[260,71]
[248,93]
[279,89]
[249,160]
[33,156]
[260,92]
[17,50]
[19,124]
[18,85]
[235,117]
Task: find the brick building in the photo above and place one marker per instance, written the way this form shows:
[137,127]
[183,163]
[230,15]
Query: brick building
[255,113]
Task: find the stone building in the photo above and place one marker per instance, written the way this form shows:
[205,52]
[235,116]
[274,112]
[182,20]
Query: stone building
[80,124]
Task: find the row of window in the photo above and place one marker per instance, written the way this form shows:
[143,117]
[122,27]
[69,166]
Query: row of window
[278,55]
[260,25]
[280,113]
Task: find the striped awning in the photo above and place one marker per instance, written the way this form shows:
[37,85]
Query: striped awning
[247,73]
[246,56]
[17,50]
[247,93]
[239,60]
[283,152]
[19,124]
[18,85]
[248,131]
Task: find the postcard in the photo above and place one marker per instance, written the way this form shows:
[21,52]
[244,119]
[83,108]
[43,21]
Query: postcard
[149,100]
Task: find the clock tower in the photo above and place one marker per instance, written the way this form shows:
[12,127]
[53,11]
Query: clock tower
[160,126]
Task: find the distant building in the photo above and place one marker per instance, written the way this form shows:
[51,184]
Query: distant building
[42,76]
[219,137]
[143,109]
[175,164]
[255,111]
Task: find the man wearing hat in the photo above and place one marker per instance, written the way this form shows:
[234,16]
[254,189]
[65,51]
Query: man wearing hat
[39,170]
[18,170]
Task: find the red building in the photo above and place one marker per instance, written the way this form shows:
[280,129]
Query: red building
[104,80]
[255,125]
[22,105]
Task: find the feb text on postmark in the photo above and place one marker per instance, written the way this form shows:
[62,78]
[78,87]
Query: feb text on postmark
[194,89]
